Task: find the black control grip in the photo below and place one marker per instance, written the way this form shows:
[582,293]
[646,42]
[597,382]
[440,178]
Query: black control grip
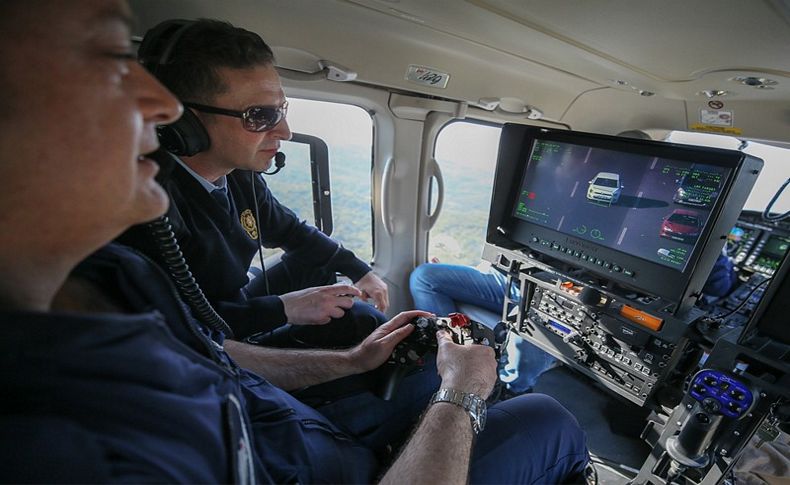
[697,433]
[392,375]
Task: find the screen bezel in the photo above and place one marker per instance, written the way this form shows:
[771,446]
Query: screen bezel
[516,145]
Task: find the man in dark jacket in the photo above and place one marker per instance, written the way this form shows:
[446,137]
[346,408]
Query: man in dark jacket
[221,207]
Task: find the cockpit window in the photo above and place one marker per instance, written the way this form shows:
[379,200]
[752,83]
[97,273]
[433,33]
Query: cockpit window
[466,153]
[347,131]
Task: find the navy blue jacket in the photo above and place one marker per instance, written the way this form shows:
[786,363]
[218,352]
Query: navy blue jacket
[219,250]
[148,396]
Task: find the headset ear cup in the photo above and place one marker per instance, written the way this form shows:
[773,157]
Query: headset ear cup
[186,137]
[155,49]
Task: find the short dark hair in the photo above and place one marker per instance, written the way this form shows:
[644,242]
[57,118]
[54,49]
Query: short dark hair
[191,70]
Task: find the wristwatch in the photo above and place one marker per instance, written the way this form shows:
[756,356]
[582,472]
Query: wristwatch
[472,403]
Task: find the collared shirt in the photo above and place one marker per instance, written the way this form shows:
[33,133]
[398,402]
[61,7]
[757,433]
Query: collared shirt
[218,189]
[221,184]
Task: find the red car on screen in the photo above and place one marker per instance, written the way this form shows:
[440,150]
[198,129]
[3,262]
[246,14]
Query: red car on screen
[681,225]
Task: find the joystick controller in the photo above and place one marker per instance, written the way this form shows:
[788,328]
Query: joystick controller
[717,397]
[409,353]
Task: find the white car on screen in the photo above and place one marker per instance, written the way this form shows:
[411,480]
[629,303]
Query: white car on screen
[605,187]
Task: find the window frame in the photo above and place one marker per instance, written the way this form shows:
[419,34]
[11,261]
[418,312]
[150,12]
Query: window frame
[319,177]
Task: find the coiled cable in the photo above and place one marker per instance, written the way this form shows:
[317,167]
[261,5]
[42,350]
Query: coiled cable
[165,239]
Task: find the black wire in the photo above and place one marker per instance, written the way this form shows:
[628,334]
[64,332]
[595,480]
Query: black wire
[262,335]
[743,302]
[162,232]
[258,227]
[767,212]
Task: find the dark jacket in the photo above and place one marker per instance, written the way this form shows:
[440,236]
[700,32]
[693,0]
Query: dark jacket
[219,249]
[149,396]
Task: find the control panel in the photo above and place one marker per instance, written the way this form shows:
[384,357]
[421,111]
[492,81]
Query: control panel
[611,340]
[720,393]
[757,248]
[756,245]
[582,258]
[768,253]
[624,345]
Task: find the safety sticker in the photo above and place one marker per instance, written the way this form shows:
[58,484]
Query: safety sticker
[722,130]
[427,76]
[715,117]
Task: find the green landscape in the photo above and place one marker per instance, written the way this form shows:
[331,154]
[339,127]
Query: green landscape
[457,237]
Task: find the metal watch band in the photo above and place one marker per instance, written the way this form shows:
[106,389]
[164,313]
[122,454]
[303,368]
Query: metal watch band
[473,404]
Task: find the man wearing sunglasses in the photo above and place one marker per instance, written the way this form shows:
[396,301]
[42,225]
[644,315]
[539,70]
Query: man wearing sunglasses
[226,77]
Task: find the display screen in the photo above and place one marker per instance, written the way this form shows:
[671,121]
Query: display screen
[646,206]
[738,240]
[772,253]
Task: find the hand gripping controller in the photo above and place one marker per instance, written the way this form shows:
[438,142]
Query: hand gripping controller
[719,396]
[409,353]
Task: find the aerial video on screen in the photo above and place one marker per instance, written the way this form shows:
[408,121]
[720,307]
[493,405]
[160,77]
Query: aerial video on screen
[646,206]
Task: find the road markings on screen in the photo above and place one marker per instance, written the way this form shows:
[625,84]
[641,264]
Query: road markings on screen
[622,235]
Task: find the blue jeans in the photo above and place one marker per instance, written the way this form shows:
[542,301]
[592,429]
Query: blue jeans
[437,287]
[550,445]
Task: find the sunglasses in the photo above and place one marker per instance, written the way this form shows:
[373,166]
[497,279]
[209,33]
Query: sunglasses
[254,118]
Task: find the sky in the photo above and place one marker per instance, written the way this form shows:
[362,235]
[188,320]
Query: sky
[350,125]
[469,146]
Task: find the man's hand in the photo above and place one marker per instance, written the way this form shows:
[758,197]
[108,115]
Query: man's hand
[317,306]
[466,368]
[374,288]
[378,346]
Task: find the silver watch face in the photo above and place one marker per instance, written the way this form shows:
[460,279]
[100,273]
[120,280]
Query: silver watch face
[481,419]
[473,404]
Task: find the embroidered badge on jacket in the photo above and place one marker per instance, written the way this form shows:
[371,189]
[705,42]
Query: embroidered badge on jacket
[248,223]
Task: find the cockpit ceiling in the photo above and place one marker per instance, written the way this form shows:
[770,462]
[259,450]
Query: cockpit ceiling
[667,40]
[675,48]
[548,53]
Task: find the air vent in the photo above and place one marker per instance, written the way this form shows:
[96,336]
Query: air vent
[757,82]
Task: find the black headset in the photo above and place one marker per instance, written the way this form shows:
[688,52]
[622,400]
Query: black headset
[187,136]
